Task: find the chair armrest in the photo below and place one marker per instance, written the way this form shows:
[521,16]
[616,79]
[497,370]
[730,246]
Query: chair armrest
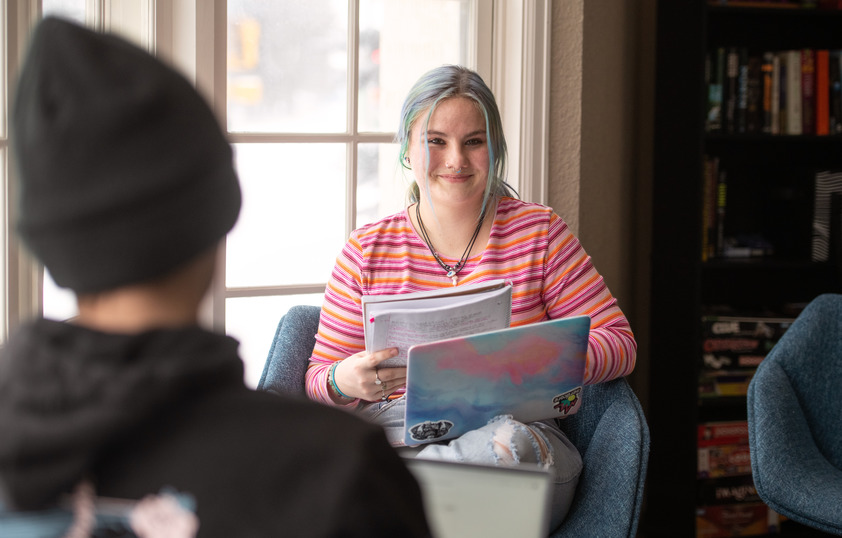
[610,491]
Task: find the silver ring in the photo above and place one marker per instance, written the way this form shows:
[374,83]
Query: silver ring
[377,377]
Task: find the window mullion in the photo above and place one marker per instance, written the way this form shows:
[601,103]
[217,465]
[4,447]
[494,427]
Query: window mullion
[353,111]
[212,69]
[481,29]
[310,138]
[95,14]
[22,272]
[535,102]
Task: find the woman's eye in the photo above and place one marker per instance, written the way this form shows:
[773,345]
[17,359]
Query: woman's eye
[475,142]
[435,141]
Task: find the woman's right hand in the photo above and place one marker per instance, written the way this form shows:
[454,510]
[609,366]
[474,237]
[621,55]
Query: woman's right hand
[360,375]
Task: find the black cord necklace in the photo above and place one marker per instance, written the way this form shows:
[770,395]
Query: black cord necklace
[451,270]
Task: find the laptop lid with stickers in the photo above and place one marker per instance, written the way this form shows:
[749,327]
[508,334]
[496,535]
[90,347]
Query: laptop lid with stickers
[532,372]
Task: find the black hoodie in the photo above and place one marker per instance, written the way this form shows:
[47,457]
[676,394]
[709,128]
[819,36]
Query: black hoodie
[168,408]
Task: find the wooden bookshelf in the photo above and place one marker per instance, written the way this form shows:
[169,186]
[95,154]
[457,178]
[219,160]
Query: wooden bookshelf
[770,190]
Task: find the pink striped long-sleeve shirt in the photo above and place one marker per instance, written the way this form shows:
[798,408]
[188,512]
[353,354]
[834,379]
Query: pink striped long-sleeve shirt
[552,277]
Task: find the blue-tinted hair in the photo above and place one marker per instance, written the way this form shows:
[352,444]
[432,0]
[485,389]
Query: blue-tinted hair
[443,83]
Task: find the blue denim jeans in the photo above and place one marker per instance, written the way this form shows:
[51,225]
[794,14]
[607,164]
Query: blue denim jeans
[502,441]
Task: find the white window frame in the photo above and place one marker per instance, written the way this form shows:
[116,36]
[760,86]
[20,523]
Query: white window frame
[22,274]
[514,57]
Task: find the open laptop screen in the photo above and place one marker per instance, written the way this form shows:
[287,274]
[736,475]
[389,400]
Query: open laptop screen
[463,500]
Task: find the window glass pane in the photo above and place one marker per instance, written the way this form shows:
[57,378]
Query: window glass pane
[58,303]
[399,41]
[69,9]
[287,66]
[292,224]
[253,321]
[381,183]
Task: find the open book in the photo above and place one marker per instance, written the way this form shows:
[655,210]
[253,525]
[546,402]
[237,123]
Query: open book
[407,319]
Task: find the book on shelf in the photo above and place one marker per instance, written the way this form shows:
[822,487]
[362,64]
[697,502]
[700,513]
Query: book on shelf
[835,83]
[783,98]
[719,461]
[767,329]
[789,92]
[767,70]
[754,95]
[742,90]
[730,520]
[723,449]
[727,490]
[724,384]
[715,199]
[732,349]
[822,87]
[730,506]
[794,101]
[715,76]
[721,205]
[404,320]
[775,118]
[730,97]
[711,168]
[808,92]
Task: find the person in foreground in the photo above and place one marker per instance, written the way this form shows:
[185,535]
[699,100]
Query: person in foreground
[127,187]
[464,226]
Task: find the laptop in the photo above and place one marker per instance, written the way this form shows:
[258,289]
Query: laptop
[465,500]
[532,372]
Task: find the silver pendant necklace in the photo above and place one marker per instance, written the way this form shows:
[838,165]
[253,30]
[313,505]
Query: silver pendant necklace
[452,271]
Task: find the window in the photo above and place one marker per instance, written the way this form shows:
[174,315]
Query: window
[130,18]
[314,91]
[310,94]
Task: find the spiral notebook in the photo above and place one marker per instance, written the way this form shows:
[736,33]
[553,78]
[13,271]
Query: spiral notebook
[532,372]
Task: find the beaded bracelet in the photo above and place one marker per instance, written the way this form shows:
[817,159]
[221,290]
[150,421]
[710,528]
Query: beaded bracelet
[332,379]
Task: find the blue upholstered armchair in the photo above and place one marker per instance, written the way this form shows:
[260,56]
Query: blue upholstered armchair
[795,419]
[610,432]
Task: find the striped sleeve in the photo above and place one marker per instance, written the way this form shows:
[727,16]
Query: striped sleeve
[340,326]
[573,287]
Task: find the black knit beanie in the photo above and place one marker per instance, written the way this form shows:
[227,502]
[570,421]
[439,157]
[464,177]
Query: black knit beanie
[124,171]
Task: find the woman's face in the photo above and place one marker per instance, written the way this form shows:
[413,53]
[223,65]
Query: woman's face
[458,143]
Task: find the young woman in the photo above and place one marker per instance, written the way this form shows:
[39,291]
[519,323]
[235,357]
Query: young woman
[464,226]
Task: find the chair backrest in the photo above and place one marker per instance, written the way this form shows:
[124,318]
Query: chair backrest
[290,352]
[794,418]
[610,431]
[809,355]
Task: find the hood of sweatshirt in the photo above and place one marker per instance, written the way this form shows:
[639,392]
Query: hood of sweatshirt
[67,393]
